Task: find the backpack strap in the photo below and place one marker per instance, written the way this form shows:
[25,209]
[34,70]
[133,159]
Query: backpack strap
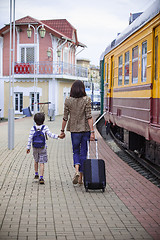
[42,127]
[45,132]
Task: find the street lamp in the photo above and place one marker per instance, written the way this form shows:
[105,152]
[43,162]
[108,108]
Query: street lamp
[11,75]
[29,31]
[51,111]
[42,32]
[59,53]
[49,52]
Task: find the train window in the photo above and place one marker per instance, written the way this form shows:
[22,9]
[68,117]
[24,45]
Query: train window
[126,69]
[144,61]
[105,72]
[135,65]
[112,72]
[120,65]
[156,57]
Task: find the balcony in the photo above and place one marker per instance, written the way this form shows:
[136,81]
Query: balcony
[50,69]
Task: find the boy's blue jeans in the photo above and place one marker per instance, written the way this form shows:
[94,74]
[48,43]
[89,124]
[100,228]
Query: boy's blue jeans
[79,146]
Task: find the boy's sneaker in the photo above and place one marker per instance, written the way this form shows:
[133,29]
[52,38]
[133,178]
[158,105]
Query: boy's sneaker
[41,181]
[36,177]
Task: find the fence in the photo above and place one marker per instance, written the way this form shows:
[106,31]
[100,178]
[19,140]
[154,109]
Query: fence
[56,68]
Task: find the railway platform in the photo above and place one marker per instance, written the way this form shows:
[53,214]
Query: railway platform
[128,209]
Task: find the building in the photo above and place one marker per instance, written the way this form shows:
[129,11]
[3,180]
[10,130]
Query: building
[93,83]
[45,66]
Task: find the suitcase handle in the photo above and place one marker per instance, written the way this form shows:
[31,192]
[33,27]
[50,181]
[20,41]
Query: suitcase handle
[88,153]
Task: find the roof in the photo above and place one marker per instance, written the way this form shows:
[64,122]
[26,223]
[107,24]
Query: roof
[138,23]
[61,25]
[60,28]
[26,20]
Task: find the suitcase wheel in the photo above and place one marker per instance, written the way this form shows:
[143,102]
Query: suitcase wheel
[86,189]
[103,189]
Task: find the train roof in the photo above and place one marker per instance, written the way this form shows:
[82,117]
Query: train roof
[139,22]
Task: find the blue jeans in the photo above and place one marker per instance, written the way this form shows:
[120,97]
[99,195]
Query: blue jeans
[79,146]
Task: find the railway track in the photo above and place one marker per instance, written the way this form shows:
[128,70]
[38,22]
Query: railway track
[143,167]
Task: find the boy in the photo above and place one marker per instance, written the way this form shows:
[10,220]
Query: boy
[40,153]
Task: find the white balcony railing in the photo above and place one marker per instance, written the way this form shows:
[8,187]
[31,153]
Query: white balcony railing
[55,68]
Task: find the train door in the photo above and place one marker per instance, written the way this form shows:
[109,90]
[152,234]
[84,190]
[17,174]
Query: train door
[111,84]
[156,78]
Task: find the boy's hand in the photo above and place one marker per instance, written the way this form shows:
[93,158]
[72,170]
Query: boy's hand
[28,151]
[62,135]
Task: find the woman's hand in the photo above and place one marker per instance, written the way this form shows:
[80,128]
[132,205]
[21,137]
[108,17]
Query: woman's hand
[92,136]
[62,135]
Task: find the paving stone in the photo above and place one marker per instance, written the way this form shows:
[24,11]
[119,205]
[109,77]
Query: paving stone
[58,210]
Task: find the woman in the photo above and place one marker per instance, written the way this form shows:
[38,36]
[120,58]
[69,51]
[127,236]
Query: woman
[80,123]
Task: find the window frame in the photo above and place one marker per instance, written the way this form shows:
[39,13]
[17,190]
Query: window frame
[156,58]
[32,101]
[105,73]
[126,63]
[19,98]
[120,66]
[65,55]
[25,46]
[134,60]
[144,57]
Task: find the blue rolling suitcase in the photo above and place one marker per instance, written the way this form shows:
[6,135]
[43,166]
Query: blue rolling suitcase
[94,172]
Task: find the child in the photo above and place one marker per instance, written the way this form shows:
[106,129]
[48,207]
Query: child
[40,154]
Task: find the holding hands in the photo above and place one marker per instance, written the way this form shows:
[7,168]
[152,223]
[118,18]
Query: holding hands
[28,151]
[62,134]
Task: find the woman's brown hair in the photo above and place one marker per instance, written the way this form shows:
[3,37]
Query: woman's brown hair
[77,89]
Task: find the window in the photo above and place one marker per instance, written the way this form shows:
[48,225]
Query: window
[105,72]
[1,55]
[126,69]
[112,71]
[32,101]
[135,65]
[108,73]
[120,62]
[27,54]
[65,55]
[144,61]
[156,58]
[18,102]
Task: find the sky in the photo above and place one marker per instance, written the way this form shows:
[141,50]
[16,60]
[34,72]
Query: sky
[97,21]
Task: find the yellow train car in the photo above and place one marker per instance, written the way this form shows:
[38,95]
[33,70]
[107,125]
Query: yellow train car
[132,84]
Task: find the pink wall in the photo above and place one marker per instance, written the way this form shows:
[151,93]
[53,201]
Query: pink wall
[44,43]
[23,38]
[6,53]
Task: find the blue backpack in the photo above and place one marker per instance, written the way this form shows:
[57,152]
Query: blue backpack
[38,140]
